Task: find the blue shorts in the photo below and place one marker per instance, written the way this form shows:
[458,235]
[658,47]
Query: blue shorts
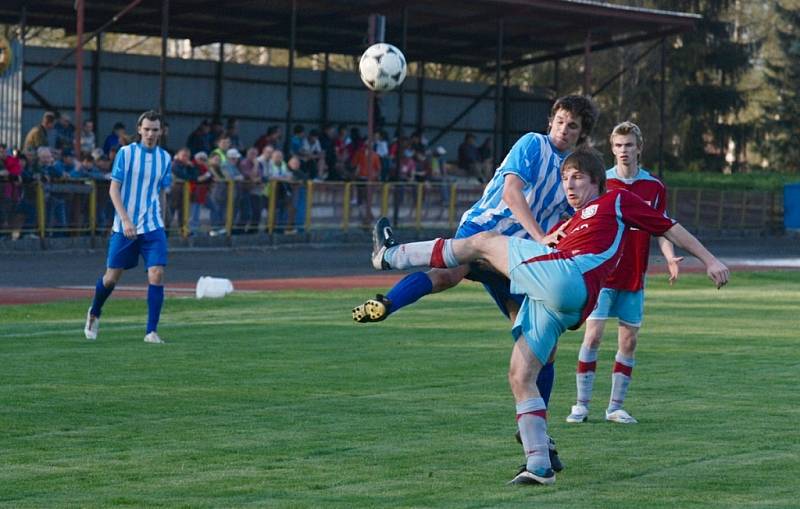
[554,295]
[123,253]
[627,306]
[496,285]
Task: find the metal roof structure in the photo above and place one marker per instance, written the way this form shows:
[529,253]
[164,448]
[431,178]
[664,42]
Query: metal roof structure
[463,32]
[493,35]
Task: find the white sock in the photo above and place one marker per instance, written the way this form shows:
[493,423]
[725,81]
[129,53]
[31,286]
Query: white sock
[620,380]
[532,423]
[449,255]
[407,256]
[584,376]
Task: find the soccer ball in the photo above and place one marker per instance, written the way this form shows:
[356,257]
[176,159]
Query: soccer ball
[382,67]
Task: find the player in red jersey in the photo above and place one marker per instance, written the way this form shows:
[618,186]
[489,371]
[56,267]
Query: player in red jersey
[622,296]
[560,283]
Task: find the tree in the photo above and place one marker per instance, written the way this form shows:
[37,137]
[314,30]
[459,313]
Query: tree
[706,68]
[781,125]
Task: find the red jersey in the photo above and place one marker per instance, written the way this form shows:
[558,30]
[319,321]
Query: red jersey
[596,234]
[630,272]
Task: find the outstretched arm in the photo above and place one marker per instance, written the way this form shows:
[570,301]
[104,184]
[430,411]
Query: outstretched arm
[715,269]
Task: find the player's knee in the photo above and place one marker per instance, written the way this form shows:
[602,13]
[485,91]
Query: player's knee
[593,335]
[627,341]
[520,379]
[444,279]
[481,242]
[155,275]
[592,342]
[112,277]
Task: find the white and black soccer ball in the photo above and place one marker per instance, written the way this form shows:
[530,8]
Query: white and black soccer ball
[382,67]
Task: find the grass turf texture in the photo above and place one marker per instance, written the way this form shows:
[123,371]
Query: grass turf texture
[279,400]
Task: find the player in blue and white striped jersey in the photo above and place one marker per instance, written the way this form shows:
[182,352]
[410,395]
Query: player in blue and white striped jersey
[139,178]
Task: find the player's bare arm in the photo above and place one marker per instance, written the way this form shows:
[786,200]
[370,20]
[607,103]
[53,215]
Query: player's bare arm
[715,269]
[128,228]
[512,195]
[673,262]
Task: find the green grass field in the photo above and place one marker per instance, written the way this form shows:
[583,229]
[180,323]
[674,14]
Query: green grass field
[279,400]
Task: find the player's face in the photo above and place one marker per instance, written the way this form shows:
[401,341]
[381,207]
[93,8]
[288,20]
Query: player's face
[625,151]
[149,130]
[565,129]
[578,187]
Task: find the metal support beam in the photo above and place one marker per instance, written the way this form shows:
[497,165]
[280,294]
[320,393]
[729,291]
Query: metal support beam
[420,96]
[624,69]
[504,115]
[556,76]
[79,7]
[662,110]
[44,103]
[95,90]
[444,130]
[587,64]
[162,71]
[595,48]
[498,84]
[375,34]
[324,91]
[290,77]
[400,89]
[218,77]
[87,38]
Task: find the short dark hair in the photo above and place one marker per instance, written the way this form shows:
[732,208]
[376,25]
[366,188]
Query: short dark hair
[581,106]
[588,161]
[151,115]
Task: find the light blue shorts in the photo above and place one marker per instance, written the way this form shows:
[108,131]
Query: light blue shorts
[627,306]
[554,295]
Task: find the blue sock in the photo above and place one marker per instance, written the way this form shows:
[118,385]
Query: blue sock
[545,381]
[409,290]
[155,299]
[101,293]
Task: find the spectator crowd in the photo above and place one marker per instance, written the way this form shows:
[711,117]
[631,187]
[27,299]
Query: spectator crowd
[217,166]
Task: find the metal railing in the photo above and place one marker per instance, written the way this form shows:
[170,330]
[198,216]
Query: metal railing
[83,207]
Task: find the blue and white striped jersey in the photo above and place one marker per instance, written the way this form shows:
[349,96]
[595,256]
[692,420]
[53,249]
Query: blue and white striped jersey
[537,162]
[142,173]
